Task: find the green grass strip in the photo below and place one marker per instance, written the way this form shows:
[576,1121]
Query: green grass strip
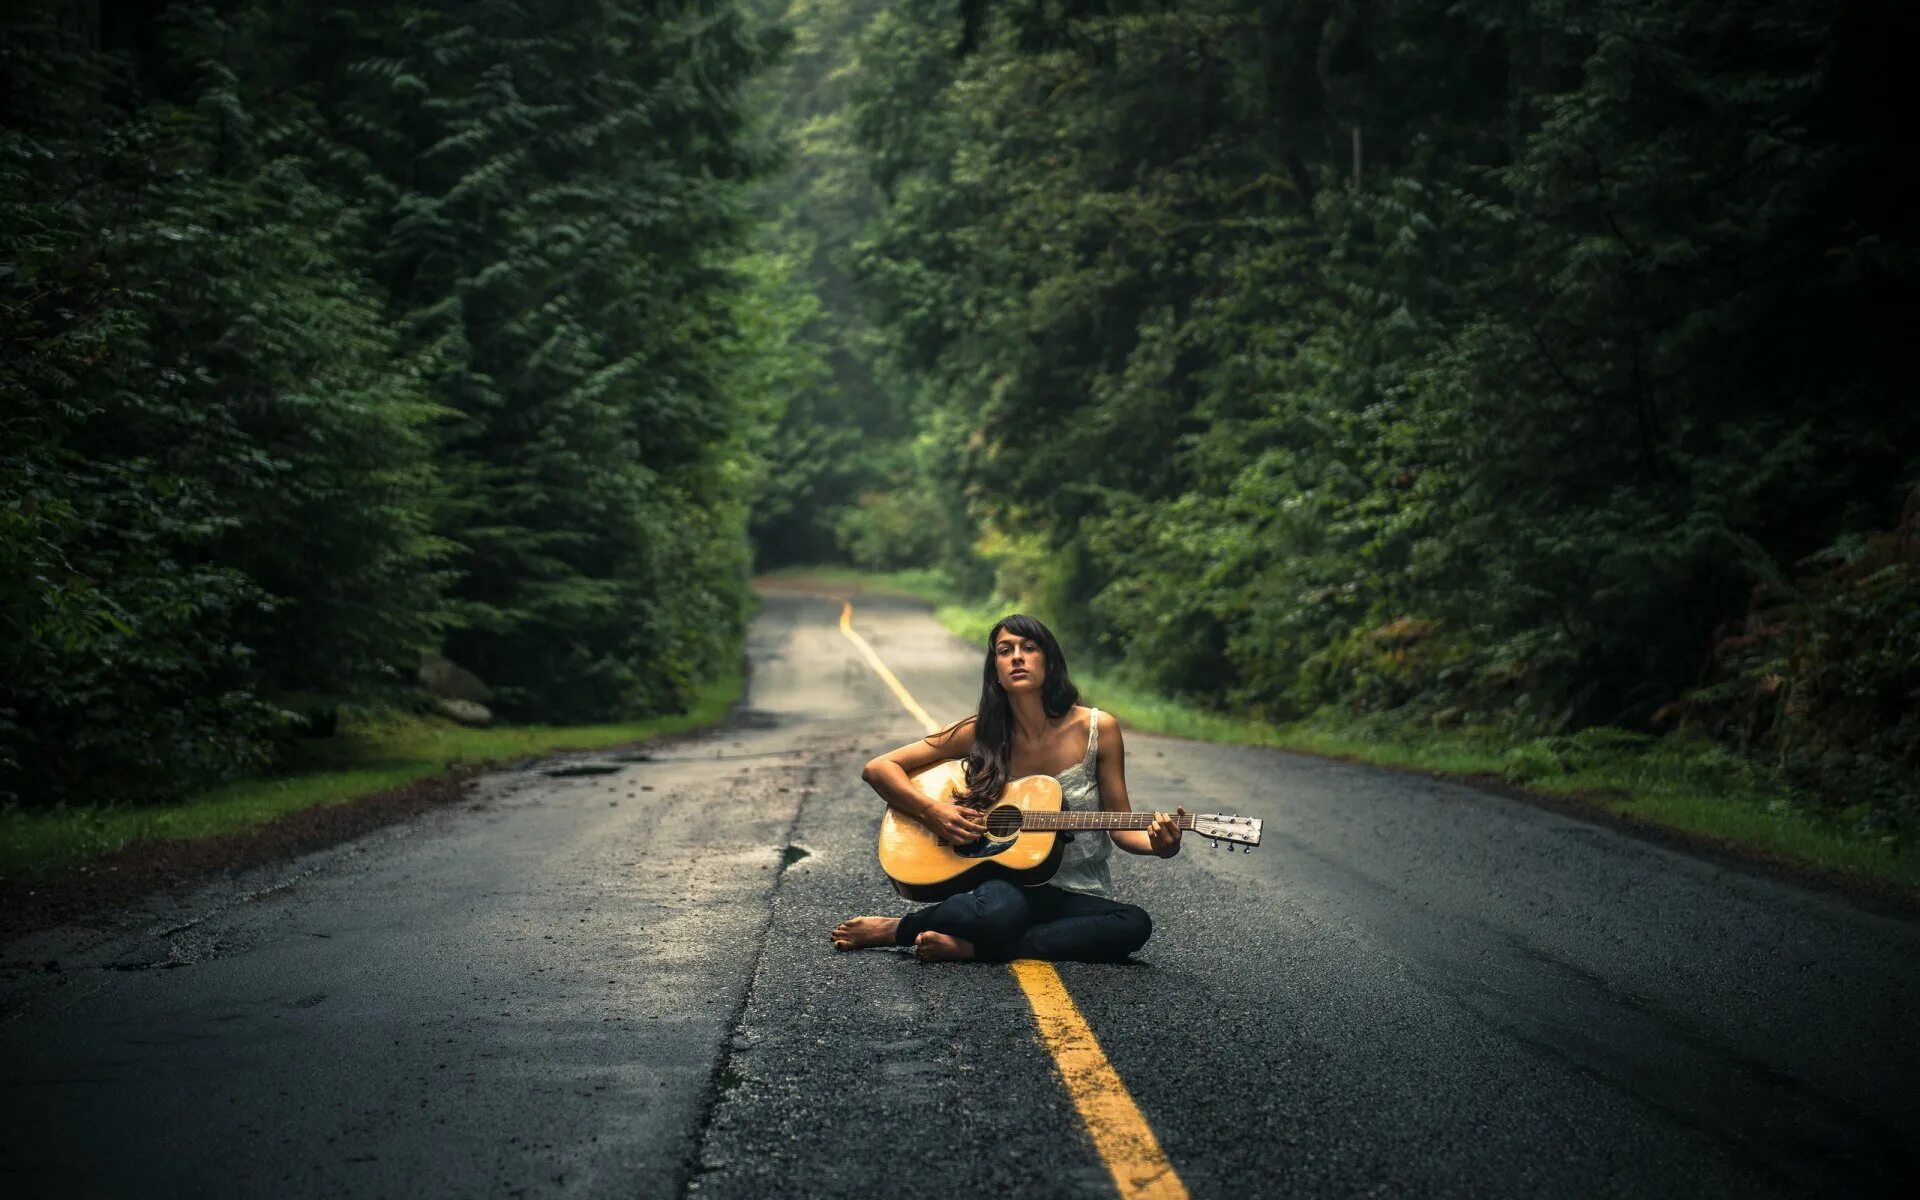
[361,760]
[1688,785]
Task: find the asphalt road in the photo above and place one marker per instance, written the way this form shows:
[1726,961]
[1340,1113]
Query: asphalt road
[621,984]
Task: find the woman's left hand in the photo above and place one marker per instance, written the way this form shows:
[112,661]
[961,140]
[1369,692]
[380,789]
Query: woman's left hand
[1163,836]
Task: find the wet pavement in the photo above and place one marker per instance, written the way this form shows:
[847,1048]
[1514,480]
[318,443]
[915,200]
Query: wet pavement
[618,982]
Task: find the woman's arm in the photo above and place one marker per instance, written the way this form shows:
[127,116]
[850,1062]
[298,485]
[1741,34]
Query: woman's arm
[888,775]
[1163,839]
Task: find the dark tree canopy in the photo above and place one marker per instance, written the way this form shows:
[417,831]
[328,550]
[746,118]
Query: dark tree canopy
[1533,367]
[342,333]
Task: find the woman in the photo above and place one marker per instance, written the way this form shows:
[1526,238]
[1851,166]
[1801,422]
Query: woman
[1030,722]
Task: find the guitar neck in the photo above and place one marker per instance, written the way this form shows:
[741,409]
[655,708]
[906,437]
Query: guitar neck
[1068,819]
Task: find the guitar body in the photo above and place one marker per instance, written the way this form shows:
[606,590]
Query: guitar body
[922,867]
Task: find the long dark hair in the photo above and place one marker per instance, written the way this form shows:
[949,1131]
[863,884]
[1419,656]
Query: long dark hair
[993,723]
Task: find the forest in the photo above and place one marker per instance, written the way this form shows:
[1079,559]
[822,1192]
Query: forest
[338,334]
[1534,366]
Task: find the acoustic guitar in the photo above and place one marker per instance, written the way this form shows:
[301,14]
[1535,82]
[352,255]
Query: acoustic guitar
[1022,842]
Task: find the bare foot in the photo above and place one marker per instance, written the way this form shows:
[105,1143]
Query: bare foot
[862,932]
[941,947]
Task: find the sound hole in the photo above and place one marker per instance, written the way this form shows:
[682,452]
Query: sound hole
[1003,822]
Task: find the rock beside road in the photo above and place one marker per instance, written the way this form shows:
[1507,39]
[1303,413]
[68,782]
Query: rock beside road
[467,712]
[450,681]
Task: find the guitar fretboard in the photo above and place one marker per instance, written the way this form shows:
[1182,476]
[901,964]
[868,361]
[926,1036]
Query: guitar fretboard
[1095,820]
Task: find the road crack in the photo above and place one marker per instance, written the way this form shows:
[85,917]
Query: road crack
[728,1069]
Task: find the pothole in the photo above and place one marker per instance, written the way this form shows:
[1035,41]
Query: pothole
[793,854]
[572,770]
[754,718]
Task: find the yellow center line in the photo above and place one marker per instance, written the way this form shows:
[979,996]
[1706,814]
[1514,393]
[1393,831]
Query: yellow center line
[1120,1133]
[887,677]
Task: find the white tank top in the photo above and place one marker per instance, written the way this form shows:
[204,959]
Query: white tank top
[1083,866]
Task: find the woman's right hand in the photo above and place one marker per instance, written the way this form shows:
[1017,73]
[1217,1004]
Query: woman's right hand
[956,826]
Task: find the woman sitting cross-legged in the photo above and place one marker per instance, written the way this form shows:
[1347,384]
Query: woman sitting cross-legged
[1030,722]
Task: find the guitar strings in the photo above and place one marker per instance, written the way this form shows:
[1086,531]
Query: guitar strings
[1065,822]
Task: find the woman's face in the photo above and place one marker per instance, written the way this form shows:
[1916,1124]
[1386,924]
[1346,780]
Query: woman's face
[1018,662]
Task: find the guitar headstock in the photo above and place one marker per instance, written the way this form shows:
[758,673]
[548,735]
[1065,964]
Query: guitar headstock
[1235,831]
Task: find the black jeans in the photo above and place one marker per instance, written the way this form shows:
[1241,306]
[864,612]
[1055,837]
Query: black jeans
[1004,920]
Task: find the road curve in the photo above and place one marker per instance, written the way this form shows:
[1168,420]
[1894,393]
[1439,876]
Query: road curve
[620,983]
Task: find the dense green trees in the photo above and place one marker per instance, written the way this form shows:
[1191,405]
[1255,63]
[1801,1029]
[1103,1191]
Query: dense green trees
[335,334]
[837,461]
[567,184]
[1534,364]
[1473,362]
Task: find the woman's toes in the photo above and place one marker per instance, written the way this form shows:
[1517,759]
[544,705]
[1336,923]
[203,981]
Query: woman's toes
[861,933]
[940,947]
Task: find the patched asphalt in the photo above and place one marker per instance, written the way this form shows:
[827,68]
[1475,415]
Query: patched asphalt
[621,984]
